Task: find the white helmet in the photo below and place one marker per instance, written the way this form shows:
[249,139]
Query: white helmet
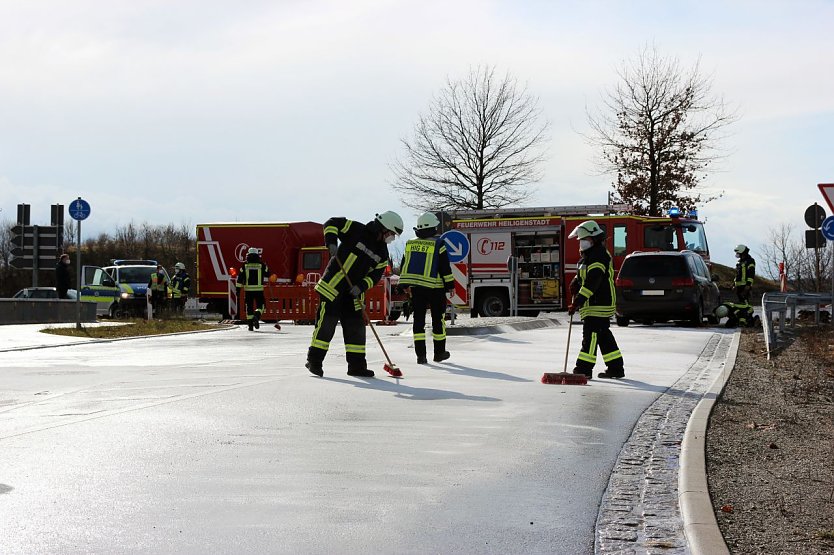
[179,266]
[427,221]
[741,249]
[585,230]
[391,221]
[252,250]
[722,311]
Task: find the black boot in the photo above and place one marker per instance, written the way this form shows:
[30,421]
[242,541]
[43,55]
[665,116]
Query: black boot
[358,366]
[587,373]
[440,357]
[612,374]
[249,324]
[360,372]
[315,368]
[256,319]
[422,360]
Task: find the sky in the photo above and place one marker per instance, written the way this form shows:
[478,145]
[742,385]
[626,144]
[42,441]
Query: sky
[200,111]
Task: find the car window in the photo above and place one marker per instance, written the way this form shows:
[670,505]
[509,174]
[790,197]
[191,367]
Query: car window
[694,237]
[693,266]
[44,294]
[703,266]
[654,266]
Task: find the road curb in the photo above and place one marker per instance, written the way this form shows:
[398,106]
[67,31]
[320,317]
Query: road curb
[699,523]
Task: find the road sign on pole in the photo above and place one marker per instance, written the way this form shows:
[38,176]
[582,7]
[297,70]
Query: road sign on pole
[827,190]
[828,228]
[79,209]
[814,215]
[457,245]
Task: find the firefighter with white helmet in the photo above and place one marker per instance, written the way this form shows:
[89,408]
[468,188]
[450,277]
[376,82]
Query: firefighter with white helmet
[180,286]
[745,273]
[595,297]
[425,272]
[250,279]
[359,256]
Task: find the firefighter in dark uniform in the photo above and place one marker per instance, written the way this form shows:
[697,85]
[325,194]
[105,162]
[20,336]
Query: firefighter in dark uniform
[180,286]
[158,284]
[251,278]
[426,274]
[745,273]
[595,298]
[359,254]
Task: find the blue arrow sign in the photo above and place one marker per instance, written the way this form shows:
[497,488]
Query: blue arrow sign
[457,245]
[79,209]
[828,228]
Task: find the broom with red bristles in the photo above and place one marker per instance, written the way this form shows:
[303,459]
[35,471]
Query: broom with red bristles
[389,367]
[564,377]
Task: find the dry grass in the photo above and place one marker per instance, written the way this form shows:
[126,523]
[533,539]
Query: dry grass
[133,328]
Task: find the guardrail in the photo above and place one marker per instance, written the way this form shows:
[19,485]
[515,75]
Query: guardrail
[44,311]
[775,307]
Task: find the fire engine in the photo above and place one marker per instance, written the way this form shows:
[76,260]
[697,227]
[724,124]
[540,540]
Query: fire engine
[519,260]
[296,257]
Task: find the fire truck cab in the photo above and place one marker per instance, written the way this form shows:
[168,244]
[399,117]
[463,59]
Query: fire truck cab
[520,260]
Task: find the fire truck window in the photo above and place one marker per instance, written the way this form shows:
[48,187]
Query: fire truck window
[661,237]
[311,261]
[620,240]
[696,240]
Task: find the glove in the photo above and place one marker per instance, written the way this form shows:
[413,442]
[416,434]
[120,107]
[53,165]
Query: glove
[355,292]
[575,304]
[332,249]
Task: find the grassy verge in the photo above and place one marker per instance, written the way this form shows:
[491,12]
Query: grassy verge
[133,328]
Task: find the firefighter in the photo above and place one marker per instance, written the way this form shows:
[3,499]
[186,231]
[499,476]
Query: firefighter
[425,273]
[745,273]
[251,278]
[180,286]
[158,284]
[358,254]
[595,298]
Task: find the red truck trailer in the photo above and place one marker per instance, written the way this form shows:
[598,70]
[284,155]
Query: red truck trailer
[296,256]
[519,260]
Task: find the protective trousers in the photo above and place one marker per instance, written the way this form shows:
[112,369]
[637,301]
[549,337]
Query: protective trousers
[254,305]
[596,331]
[424,298]
[348,311]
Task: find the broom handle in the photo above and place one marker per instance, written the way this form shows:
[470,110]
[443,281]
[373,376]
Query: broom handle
[567,348]
[365,313]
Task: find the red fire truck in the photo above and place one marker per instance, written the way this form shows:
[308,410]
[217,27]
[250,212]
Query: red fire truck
[518,260]
[296,257]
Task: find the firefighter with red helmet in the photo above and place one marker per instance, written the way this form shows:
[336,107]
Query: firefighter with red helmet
[250,278]
[427,275]
[358,258]
[595,298]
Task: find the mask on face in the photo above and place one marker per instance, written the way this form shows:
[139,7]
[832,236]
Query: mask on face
[390,239]
[585,244]
[66,262]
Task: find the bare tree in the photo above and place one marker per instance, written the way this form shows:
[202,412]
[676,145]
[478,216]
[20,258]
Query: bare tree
[659,133]
[800,262]
[479,146]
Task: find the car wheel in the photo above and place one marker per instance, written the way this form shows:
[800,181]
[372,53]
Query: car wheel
[698,318]
[114,311]
[622,321]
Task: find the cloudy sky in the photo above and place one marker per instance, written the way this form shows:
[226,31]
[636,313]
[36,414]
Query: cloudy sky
[196,111]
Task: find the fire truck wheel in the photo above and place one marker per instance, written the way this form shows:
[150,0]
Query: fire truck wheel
[494,304]
[622,321]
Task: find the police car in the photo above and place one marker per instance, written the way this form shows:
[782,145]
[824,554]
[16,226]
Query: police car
[119,289]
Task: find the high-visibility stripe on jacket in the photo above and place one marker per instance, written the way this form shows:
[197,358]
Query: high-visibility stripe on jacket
[596,275]
[426,264]
[363,254]
[180,285]
[745,270]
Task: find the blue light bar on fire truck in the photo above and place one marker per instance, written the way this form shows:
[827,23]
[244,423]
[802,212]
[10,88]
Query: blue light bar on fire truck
[693,213]
[674,212]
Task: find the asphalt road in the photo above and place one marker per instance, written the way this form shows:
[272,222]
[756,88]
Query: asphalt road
[222,442]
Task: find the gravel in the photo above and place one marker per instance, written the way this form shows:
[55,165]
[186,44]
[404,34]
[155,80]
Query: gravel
[770,448]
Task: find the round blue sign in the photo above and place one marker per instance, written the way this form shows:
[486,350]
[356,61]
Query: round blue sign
[79,209]
[828,228]
[457,245]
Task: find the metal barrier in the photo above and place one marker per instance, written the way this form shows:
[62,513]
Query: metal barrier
[299,303]
[775,307]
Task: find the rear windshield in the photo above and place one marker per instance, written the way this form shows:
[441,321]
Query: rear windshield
[653,266]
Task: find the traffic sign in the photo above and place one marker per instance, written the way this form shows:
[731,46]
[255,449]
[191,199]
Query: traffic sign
[828,228]
[814,215]
[827,190]
[457,245]
[79,209]
[45,262]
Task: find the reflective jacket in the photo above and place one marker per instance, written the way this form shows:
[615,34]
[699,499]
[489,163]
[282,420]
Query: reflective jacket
[363,255]
[158,282]
[745,270]
[596,280]
[180,284]
[251,275]
[426,264]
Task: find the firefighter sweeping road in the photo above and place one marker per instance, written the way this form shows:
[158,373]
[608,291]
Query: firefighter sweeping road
[223,442]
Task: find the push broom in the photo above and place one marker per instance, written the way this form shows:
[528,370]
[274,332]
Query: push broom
[564,377]
[389,367]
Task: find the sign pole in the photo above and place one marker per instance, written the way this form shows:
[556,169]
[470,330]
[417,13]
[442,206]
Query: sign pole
[78,277]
